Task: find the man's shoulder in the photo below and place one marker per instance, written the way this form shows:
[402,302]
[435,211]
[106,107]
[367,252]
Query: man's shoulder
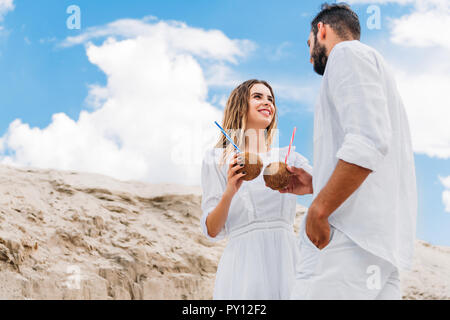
[353,48]
[348,55]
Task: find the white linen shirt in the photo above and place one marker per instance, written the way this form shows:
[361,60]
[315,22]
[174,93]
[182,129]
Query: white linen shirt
[359,118]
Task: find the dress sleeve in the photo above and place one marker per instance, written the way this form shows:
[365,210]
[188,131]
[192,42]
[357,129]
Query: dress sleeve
[358,93]
[213,186]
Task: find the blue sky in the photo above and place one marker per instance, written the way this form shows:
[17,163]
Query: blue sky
[42,77]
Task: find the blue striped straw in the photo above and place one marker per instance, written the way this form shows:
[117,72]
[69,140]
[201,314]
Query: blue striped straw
[227,136]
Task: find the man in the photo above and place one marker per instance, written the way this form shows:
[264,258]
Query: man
[360,227]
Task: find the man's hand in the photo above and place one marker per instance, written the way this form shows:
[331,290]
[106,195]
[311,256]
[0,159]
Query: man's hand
[317,228]
[300,182]
[344,181]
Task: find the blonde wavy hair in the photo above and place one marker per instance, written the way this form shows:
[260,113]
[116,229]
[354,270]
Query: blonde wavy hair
[235,118]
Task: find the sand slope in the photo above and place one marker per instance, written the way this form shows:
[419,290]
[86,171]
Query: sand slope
[67,235]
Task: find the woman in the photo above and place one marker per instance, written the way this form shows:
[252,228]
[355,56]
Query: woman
[259,259]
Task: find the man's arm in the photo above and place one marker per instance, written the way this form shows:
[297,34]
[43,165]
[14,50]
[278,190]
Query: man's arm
[356,86]
[344,181]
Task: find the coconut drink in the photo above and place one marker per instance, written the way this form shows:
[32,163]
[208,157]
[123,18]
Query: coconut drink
[276,175]
[252,165]
[251,161]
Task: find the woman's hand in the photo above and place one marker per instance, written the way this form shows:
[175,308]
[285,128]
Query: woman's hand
[235,179]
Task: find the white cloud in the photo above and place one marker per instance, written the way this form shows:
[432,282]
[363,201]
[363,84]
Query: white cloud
[421,27]
[446,194]
[47,40]
[401,2]
[281,51]
[297,91]
[5,7]
[425,97]
[424,84]
[425,91]
[424,81]
[151,121]
[220,99]
[208,44]
[424,26]
[221,75]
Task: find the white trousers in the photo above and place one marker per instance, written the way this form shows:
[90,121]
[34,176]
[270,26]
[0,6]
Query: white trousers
[343,271]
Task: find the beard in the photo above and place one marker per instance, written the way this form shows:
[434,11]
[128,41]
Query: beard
[319,56]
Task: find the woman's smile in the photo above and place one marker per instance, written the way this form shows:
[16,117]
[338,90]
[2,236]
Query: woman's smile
[265,112]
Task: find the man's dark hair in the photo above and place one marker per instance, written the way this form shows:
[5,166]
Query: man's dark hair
[341,18]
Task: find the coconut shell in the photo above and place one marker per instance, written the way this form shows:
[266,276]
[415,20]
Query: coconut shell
[252,166]
[276,175]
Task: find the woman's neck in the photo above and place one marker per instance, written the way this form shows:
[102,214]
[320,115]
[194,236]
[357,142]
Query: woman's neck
[255,141]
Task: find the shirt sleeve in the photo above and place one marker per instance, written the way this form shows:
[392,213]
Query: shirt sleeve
[357,90]
[213,186]
[302,162]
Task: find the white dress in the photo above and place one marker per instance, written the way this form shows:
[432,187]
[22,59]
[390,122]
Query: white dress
[259,259]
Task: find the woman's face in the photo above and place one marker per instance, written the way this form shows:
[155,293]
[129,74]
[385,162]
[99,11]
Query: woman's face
[261,110]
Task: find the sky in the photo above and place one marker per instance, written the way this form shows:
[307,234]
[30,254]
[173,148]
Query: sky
[133,92]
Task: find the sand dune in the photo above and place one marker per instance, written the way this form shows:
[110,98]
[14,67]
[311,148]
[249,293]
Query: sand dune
[67,235]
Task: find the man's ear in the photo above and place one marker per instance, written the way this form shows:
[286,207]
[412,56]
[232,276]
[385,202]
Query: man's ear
[322,32]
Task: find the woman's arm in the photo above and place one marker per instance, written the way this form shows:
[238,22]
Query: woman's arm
[217,217]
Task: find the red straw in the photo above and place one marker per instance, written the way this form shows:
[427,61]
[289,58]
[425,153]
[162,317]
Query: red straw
[290,144]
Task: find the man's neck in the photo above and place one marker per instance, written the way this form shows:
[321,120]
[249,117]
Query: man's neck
[334,43]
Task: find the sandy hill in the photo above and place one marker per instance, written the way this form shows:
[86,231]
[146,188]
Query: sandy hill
[67,235]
